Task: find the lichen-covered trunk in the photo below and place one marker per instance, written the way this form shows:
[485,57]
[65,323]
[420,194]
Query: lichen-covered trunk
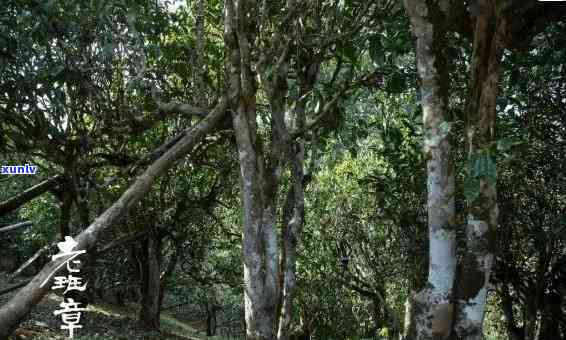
[291,235]
[259,241]
[258,184]
[433,308]
[259,230]
[294,208]
[481,195]
[290,240]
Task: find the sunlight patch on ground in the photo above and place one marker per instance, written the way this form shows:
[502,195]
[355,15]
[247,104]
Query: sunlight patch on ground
[103,310]
[179,328]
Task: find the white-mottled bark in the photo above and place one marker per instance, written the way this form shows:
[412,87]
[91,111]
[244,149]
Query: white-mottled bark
[475,269]
[258,178]
[293,214]
[434,308]
[472,282]
[291,235]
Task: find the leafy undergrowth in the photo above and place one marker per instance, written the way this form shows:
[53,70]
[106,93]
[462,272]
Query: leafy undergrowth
[100,321]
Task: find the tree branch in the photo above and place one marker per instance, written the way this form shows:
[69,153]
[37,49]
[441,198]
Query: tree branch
[13,312]
[15,226]
[123,240]
[27,195]
[176,107]
[30,261]
[14,287]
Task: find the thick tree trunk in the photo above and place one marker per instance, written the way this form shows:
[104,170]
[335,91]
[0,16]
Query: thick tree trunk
[151,283]
[65,215]
[22,302]
[433,305]
[258,184]
[260,248]
[475,269]
[261,168]
[27,195]
[409,320]
[291,235]
[294,210]
[83,211]
[14,287]
[211,321]
[211,308]
[259,238]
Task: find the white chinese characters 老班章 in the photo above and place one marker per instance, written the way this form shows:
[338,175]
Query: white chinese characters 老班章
[70,311]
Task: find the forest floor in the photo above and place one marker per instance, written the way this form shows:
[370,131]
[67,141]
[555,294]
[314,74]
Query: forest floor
[100,321]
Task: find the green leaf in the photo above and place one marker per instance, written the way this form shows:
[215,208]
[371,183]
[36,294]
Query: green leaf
[376,51]
[445,128]
[483,165]
[131,18]
[317,107]
[348,51]
[396,84]
[269,71]
[57,70]
[47,5]
[20,140]
[108,50]
[489,167]
[507,143]
[471,188]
